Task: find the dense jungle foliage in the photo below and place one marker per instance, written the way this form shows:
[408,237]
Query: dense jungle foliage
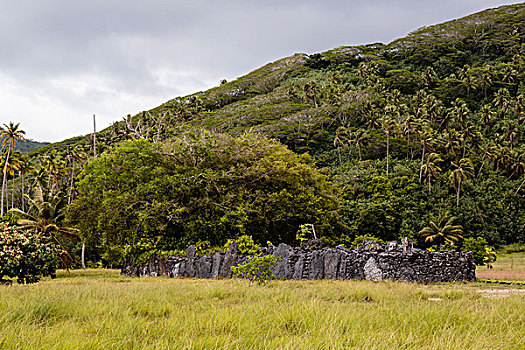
[379,140]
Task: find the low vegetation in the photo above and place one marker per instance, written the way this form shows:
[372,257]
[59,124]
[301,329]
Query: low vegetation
[96,309]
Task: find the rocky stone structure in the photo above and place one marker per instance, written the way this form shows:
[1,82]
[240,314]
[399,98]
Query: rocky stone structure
[369,262]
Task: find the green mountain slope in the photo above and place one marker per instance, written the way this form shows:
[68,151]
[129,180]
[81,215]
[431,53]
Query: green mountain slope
[429,124]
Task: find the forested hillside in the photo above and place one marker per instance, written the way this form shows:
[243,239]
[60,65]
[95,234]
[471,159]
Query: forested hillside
[381,140]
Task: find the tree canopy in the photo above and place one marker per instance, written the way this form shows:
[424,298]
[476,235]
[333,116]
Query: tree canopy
[201,187]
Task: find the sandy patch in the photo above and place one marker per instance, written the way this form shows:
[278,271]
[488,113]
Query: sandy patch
[500,293]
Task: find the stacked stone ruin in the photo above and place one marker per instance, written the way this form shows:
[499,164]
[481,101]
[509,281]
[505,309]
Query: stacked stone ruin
[369,262]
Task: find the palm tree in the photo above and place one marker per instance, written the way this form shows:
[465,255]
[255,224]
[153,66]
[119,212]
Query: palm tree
[426,139]
[10,134]
[434,109]
[340,138]
[44,215]
[387,126]
[55,168]
[430,168]
[488,116]
[359,138]
[464,170]
[24,168]
[501,99]
[501,157]
[468,80]
[489,154]
[509,74]
[517,167]
[460,112]
[74,155]
[450,141]
[442,231]
[429,76]
[40,177]
[485,80]
[370,116]
[13,167]
[519,106]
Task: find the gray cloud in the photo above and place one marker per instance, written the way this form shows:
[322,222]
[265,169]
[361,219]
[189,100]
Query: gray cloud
[61,61]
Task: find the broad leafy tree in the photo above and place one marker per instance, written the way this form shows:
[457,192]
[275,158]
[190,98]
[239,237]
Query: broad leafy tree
[200,187]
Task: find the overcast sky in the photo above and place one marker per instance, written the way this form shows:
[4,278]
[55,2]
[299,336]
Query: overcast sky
[61,61]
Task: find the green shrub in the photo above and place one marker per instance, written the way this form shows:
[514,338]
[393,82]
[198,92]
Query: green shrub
[246,245]
[359,240]
[257,269]
[26,256]
[483,253]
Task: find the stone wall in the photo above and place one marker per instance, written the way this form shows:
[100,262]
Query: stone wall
[370,262]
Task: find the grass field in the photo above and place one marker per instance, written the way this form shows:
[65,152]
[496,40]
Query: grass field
[98,309]
[510,267]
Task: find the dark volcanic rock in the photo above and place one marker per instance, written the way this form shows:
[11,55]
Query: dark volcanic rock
[370,262]
[230,259]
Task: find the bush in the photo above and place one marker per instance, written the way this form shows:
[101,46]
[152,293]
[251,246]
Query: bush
[257,269]
[26,256]
[246,245]
[483,253]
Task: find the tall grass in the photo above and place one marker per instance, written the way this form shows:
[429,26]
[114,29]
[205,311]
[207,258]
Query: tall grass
[509,266]
[101,310]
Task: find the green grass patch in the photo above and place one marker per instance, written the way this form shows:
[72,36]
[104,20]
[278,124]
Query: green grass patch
[97,309]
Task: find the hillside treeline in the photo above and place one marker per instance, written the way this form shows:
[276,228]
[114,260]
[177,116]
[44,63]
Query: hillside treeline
[374,140]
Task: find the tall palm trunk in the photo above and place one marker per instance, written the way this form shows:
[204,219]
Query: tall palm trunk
[4,181]
[481,168]
[13,195]
[23,199]
[519,188]
[83,254]
[408,145]
[457,191]
[73,176]
[422,162]
[6,189]
[387,151]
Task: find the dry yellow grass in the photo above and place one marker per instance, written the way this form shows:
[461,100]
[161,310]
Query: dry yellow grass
[98,309]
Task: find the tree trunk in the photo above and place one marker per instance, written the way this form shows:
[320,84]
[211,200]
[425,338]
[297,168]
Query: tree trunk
[408,144]
[13,195]
[387,151]
[422,161]
[4,182]
[23,199]
[519,188]
[71,182]
[83,254]
[457,192]
[480,168]
[359,149]
[6,196]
